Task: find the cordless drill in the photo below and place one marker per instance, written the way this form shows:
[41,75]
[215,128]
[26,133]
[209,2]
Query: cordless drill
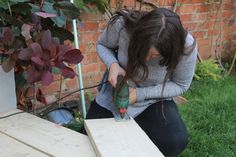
[121,96]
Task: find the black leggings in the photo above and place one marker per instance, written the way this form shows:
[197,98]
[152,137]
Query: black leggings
[168,133]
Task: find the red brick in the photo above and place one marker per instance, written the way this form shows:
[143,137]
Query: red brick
[228,6]
[165,2]
[186,17]
[71,83]
[191,26]
[194,8]
[96,78]
[200,16]
[93,67]
[229,1]
[199,34]
[113,3]
[82,47]
[90,47]
[193,1]
[90,58]
[90,37]
[80,27]
[214,32]
[128,3]
[227,14]
[52,88]
[209,25]
[102,67]
[91,16]
[56,77]
[102,25]
[203,42]
[87,81]
[88,26]
[204,51]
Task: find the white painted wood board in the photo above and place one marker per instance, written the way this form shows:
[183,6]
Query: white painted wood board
[45,136]
[7,90]
[12,148]
[120,139]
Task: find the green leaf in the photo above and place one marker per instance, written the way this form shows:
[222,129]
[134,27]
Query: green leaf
[10,19]
[79,3]
[34,8]
[18,1]
[55,70]
[21,8]
[102,5]
[20,80]
[60,21]
[70,10]
[62,34]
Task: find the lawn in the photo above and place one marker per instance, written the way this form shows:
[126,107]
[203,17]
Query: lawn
[210,116]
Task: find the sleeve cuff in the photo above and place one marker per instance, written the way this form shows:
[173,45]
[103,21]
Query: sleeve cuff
[141,94]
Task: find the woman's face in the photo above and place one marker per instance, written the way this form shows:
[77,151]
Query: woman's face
[152,53]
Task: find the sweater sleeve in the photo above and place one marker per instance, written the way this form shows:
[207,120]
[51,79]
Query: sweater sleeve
[108,42]
[179,81]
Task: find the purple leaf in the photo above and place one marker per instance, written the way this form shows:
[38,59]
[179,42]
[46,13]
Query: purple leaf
[62,50]
[33,75]
[7,36]
[47,39]
[45,15]
[37,60]
[25,31]
[53,50]
[47,78]
[66,71]
[37,50]
[73,56]
[25,54]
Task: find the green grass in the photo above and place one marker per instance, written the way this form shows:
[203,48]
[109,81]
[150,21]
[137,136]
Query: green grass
[210,116]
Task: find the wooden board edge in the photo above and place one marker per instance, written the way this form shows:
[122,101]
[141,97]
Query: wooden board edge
[97,152]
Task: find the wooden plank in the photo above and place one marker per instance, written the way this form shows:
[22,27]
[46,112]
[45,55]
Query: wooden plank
[11,148]
[7,90]
[48,137]
[120,139]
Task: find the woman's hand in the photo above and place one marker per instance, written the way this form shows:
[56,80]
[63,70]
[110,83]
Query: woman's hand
[132,95]
[114,71]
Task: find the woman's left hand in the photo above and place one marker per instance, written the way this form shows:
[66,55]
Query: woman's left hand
[132,95]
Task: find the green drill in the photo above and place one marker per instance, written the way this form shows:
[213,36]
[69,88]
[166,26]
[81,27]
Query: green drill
[121,96]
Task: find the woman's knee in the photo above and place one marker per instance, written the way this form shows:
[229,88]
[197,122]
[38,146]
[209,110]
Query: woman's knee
[172,145]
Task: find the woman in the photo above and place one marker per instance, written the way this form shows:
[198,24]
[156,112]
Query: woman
[157,57]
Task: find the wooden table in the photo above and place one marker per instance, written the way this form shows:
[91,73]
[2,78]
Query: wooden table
[25,135]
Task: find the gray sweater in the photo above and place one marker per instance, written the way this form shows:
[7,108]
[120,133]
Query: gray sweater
[149,91]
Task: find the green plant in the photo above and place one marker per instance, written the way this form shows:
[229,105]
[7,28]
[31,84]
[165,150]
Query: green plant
[210,118]
[90,96]
[32,35]
[208,69]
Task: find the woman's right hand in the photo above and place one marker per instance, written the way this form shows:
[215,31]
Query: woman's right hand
[114,71]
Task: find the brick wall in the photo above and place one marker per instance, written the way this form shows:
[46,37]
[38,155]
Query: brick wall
[198,16]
